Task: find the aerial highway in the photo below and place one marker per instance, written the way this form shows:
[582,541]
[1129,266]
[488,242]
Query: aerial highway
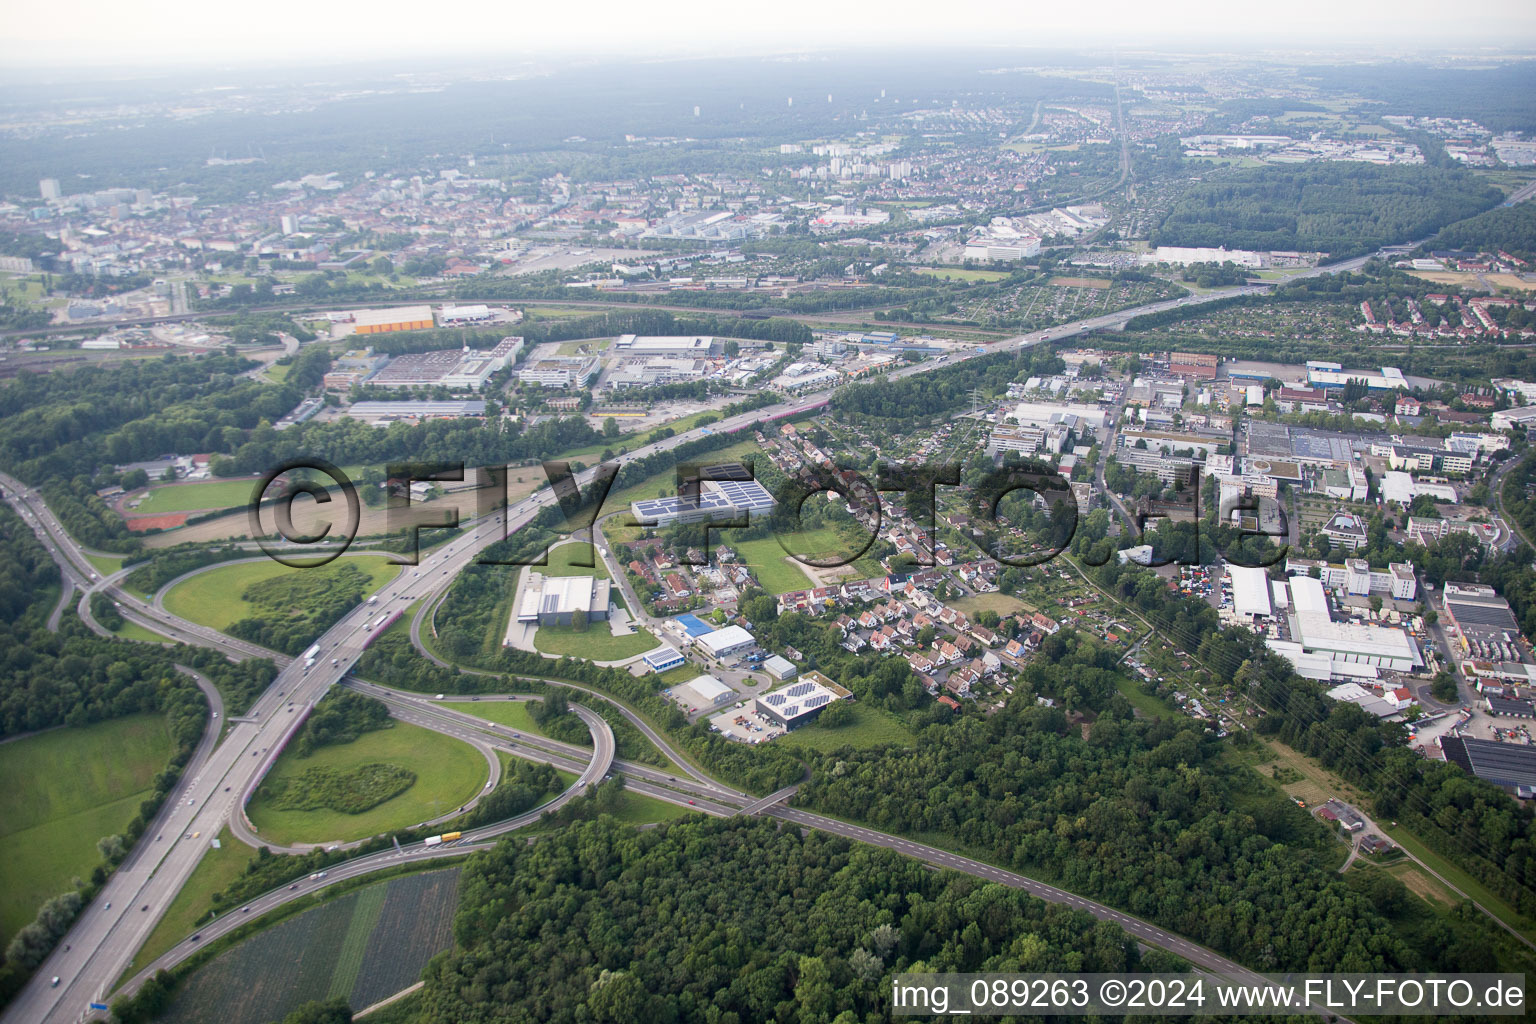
[109,931]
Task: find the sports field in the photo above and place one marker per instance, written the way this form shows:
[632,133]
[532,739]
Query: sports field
[214,598]
[194,497]
[448,775]
[61,791]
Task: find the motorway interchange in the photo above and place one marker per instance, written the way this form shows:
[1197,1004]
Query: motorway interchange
[221,778]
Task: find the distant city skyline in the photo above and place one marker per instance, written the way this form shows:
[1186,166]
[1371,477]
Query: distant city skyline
[91,32]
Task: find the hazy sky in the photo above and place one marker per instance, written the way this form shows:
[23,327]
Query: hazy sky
[82,32]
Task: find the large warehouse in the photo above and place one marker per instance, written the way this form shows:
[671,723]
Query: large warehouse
[1250,592]
[663,345]
[385,321]
[1312,626]
[552,600]
[800,702]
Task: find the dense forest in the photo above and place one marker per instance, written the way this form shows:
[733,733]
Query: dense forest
[730,921]
[1508,228]
[1342,208]
[1141,814]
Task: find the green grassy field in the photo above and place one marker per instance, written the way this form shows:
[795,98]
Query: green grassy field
[1003,604]
[513,714]
[870,727]
[639,809]
[596,643]
[213,873]
[105,564]
[768,561]
[561,561]
[961,274]
[214,598]
[192,497]
[134,631]
[448,774]
[362,946]
[61,791]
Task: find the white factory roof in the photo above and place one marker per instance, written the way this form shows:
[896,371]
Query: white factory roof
[708,688]
[1315,629]
[724,639]
[1250,591]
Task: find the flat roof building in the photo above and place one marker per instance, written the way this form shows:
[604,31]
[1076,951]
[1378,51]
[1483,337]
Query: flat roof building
[1312,626]
[1250,592]
[385,321]
[662,658]
[800,702]
[664,345]
[553,600]
[388,412]
[717,500]
[721,642]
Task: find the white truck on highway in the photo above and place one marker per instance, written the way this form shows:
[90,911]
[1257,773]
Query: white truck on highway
[310,656]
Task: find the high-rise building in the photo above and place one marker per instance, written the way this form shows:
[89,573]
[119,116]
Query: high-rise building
[49,187]
[290,224]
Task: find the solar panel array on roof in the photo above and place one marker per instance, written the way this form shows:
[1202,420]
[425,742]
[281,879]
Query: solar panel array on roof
[1503,764]
[799,702]
[725,471]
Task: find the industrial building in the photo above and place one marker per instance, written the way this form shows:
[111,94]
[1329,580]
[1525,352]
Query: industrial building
[1322,374]
[385,321]
[458,369]
[553,600]
[663,345]
[1480,617]
[650,371]
[1344,643]
[800,702]
[717,500]
[559,372]
[382,413]
[780,668]
[1510,765]
[723,642]
[662,659]
[703,692]
[465,314]
[1250,592]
